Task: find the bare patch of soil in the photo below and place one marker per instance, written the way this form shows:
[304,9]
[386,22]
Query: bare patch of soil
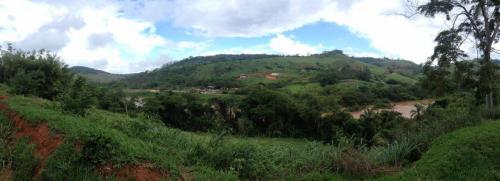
[271,77]
[141,173]
[6,174]
[40,135]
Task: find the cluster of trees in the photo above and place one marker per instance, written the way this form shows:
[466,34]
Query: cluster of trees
[477,21]
[266,112]
[43,74]
[37,73]
[333,76]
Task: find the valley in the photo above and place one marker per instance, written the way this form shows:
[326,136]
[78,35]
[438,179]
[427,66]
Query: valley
[288,90]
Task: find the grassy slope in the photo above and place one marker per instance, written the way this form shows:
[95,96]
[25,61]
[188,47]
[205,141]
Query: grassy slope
[466,154]
[142,140]
[97,76]
[292,70]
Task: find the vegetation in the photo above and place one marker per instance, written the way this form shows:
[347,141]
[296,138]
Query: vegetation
[466,154]
[478,19]
[37,73]
[237,71]
[290,123]
[96,76]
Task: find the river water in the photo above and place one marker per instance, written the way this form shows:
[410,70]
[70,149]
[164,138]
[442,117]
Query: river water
[404,108]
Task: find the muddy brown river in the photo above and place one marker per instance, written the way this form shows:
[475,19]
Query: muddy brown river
[404,108]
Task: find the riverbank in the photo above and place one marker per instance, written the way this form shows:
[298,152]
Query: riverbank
[405,108]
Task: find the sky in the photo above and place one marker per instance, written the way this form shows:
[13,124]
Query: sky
[128,36]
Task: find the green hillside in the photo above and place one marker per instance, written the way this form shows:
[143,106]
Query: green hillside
[467,154]
[55,126]
[142,142]
[95,75]
[244,70]
[36,135]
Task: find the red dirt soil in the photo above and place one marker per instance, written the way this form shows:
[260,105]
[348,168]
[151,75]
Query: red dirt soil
[140,173]
[271,77]
[40,135]
[46,143]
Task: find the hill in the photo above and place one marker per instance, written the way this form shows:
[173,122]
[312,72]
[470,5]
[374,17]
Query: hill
[467,154]
[244,70]
[105,146]
[38,142]
[95,75]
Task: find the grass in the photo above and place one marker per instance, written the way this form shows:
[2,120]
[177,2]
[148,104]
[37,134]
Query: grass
[302,88]
[467,154]
[139,140]
[470,153]
[292,70]
[400,78]
[16,156]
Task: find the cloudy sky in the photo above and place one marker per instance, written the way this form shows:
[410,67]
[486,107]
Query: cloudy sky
[124,36]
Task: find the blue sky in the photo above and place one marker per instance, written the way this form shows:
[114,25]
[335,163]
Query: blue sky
[124,36]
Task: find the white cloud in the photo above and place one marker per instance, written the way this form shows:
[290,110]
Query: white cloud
[234,18]
[257,49]
[392,34]
[288,46]
[121,35]
[377,21]
[88,33]
[19,19]
[356,53]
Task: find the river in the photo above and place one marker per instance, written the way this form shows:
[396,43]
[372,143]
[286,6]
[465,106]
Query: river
[404,108]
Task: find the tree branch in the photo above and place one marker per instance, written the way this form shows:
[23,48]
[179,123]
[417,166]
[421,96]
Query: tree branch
[469,16]
[497,21]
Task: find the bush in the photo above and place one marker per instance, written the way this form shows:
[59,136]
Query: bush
[36,73]
[98,149]
[466,154]
[5,136]
[23,161]
[78,98]
[64,164]
[395,154]
[238,158]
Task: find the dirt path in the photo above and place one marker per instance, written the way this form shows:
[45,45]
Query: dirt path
[405,108]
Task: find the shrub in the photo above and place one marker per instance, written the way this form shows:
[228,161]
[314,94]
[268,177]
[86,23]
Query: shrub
[23,161]
[238,158]
[37,73]
[78,98]
[396,153]
[98,149]
[64,164]
[354,163]
[466,154]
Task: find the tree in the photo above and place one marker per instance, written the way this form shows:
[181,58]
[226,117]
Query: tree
[418,112]
[272,112]
[365,74]
[78,98]
[37,73]
[478,20]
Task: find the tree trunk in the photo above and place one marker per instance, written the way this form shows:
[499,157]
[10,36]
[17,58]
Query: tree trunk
[489,79]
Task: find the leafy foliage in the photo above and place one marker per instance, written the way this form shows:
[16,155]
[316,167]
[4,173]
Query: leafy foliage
[39,73]
[77,99]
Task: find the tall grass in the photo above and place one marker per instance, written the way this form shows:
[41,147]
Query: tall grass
[139,140]
[220,157]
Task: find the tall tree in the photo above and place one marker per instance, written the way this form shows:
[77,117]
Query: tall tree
[476,20]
